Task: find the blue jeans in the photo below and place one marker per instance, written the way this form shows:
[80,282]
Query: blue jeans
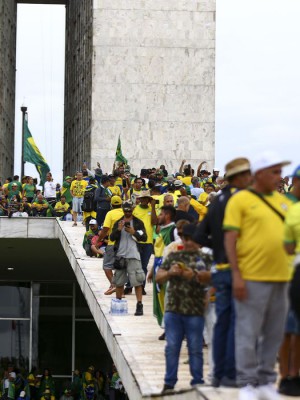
[223,339]
[177,327]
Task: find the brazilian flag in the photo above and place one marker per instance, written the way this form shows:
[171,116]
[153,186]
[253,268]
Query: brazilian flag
[33,155]
[119,155]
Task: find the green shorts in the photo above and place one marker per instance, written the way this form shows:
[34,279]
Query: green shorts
[133,272]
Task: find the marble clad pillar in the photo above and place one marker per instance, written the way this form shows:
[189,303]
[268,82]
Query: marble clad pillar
[153,82]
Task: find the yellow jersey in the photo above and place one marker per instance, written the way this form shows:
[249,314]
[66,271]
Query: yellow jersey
[111,218]
[78,188]
[261,256]
[144,214]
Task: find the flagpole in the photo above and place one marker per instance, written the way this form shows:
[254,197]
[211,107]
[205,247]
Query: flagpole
[24,110]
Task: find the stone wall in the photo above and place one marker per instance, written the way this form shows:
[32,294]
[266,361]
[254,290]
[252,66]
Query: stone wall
[153,82]
[78,84]
[8,14]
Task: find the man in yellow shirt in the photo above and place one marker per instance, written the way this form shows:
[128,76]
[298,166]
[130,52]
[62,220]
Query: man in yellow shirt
[62,208]
[77,191]
[253,242]
[115,189]
[109,257]
[145,211]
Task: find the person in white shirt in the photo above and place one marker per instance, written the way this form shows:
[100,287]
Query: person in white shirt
[196,190]
[50,189]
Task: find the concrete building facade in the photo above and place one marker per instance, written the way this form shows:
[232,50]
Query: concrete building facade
[141,69]
[8,12]
[153,82]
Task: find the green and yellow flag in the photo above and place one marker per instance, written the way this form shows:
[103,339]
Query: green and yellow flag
[119,155]
[33,155]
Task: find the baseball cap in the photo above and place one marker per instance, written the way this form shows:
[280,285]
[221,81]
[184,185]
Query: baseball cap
[296,173]
[68,177]
[178,183]
[267,159]
[12,374]
[145,193]
[93,222]
[116,200]
[127,205]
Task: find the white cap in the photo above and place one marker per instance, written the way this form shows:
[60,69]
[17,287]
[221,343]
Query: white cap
[267,159]
[178,183]
[22,394]
[216,169]
[12,374]
[92,222]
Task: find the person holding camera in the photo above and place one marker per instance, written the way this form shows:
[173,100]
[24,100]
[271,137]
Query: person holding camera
[126,232]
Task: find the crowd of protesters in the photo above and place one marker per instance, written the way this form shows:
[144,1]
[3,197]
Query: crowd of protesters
[223,251]
[91,384]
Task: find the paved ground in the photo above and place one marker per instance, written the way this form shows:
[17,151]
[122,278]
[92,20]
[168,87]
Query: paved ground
[137,337]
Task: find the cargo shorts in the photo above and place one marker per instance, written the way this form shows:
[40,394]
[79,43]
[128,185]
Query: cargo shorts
[109,257]
[133,272]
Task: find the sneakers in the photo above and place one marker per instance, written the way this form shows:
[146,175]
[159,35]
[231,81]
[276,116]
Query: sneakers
[167,389]
[215,382]
[228,382]
[267,392]
[144,292]
[110,290]
[290,386]
[139,308]
[162,336]
[248,393]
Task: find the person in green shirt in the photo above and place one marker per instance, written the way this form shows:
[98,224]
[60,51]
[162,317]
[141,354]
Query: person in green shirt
[16,182]
[65,190]
[29,190]
[11,387]
[13,191]
[47,385]
[76,385]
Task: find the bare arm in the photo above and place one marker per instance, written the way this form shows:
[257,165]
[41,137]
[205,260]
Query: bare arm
[153,213]
[200,168]
[103,233]
[239,286]
[181,167]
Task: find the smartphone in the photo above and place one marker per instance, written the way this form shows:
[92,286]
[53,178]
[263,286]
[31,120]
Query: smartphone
[124,183]
[127,224]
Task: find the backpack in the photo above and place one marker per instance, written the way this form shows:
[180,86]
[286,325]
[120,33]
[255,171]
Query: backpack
[88,201]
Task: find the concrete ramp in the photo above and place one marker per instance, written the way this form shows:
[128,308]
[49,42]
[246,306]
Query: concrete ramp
[132,341]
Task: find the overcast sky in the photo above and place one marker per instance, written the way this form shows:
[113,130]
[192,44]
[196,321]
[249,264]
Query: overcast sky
[257,80]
